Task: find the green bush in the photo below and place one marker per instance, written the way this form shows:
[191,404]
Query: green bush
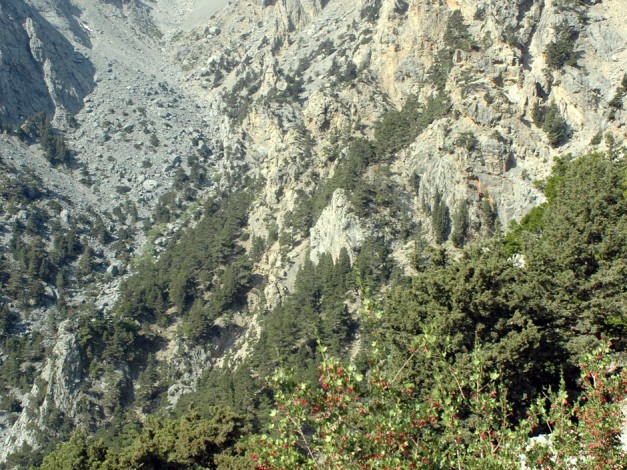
[38,127]
[456,35]
[371,11]
[189,442]
[440,218]
[562,51]
[552,123]
[555,126]
[461,225]
[398,129]
[467,140]
[540,318]
[441,68]
[617,101]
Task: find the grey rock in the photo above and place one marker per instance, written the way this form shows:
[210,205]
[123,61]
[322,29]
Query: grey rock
[113,270]
[51,292]
[337,228]
[150,185]
[64,216]
[52,76]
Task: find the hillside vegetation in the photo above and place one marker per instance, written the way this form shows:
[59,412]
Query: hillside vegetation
[212,221]
[452,369]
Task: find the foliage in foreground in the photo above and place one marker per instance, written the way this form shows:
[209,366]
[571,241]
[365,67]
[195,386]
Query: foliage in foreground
[190,442]
[349,420]
[535,301]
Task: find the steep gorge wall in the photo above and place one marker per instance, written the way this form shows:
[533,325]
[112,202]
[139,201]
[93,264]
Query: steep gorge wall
[493,88]
[276,90]
[40,69]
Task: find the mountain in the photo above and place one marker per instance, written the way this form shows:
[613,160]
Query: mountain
[192,191]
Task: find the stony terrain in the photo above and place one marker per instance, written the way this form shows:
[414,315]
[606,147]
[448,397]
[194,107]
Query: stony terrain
[147,92]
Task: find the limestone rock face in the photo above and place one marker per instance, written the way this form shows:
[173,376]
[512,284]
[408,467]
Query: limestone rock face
[336,229]
[59,384]
[63,373]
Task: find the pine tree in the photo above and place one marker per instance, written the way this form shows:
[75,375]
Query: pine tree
[460,225]
[440,218]
[85,263]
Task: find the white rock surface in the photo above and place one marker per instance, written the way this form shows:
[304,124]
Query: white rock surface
[336,228]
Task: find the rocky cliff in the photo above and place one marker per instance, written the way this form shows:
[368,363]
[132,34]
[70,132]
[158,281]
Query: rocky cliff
[165,103]
[359,61]
[41,69]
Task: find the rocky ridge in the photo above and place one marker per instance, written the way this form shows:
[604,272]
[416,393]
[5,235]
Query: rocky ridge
[493,88]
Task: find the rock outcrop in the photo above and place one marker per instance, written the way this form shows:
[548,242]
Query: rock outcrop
[40,68]
[336,229]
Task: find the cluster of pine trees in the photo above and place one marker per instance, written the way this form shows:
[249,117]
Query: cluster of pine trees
[38,128]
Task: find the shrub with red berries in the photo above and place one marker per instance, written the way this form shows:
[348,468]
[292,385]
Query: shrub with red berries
[362,421]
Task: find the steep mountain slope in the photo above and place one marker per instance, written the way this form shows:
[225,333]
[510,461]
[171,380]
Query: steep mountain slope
[217,149]
[108,92]
[295,78]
